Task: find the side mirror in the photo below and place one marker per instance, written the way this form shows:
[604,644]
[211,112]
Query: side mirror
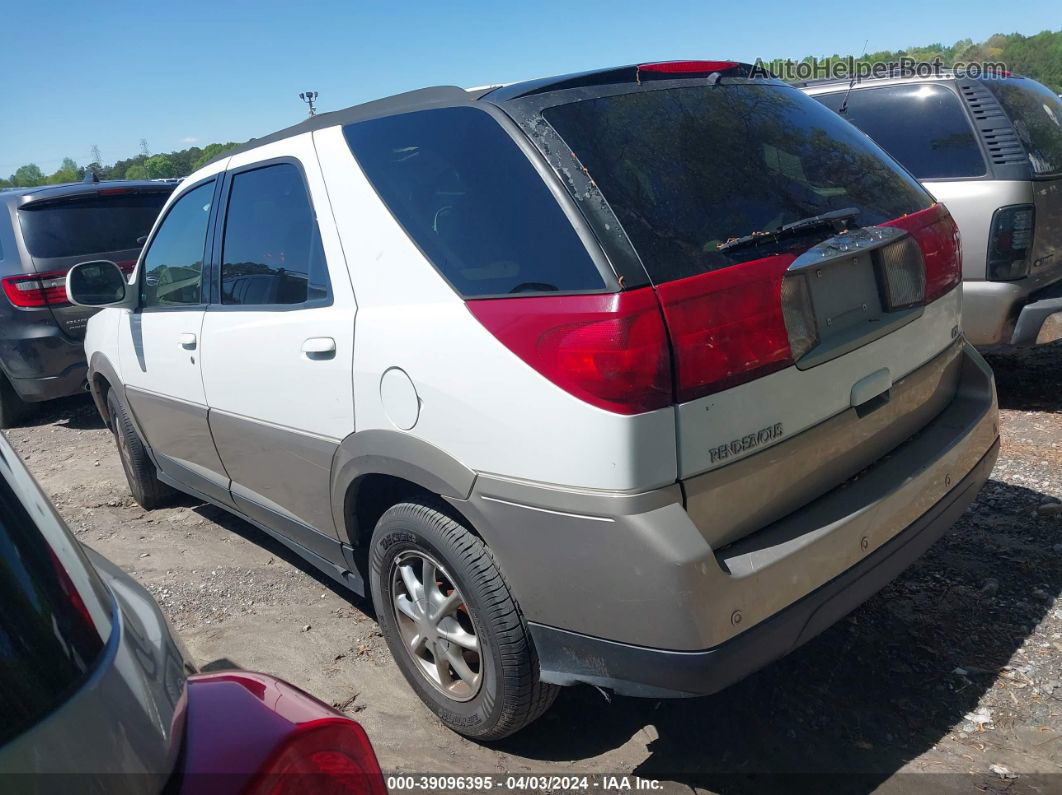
[97,283]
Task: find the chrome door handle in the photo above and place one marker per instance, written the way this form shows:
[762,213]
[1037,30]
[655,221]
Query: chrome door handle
[319,347]
[187,340]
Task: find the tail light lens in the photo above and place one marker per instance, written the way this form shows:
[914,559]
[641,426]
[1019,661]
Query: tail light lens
[727,326]
[609,350]
[1010,242]
[257,735]
[799,315]
[29,290]
[938,238]
[902,274]
[330,756]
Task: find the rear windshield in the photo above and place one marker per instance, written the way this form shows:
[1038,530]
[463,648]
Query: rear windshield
[472,201]
[91,225]
[1036,113]
[686,169]
[48,641]
[924,126]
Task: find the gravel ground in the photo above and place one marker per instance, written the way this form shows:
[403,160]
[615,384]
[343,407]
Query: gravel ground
[953,672]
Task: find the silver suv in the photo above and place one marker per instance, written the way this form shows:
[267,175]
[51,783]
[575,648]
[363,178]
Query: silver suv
[991,150]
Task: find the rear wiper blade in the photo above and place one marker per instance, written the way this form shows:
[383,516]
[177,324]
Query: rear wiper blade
[832,218]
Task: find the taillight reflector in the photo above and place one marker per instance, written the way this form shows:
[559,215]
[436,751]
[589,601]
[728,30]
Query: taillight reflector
[687,67]
[29,290]
[330,756]
[727,326]
[903,274]
[1010,242]
[609,350]
[938,238]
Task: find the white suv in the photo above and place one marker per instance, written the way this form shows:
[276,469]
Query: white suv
[638,378]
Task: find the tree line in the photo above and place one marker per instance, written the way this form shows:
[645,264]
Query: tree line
[179,163]
[1038,57]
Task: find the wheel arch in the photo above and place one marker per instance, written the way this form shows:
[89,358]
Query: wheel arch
[375,469]
[102,378]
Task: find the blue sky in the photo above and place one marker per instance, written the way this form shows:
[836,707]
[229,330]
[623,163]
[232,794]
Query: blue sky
[191,72]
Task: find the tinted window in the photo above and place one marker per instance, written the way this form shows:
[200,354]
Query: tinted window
[923,126]
[173,265]
[272,250]
[89,225]
[473,203]
[1037,116]
[48,641]
[686,169]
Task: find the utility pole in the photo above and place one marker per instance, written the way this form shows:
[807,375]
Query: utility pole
[96,156]
[309,97]
[144,147]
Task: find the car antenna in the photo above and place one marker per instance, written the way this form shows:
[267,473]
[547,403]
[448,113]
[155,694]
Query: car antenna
[852,82]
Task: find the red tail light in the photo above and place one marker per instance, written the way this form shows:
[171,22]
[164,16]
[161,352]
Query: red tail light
[330,756]
[727,326]
[687,67]
[257,735]
[609,350]
[938,237]
[27,290]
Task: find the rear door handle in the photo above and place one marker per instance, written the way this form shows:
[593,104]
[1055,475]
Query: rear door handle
[187,340]
[319,348]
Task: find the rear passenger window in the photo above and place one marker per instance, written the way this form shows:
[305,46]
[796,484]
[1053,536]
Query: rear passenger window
[173,265]
[473,203]
[1037,116]
[924,126]
[272,252]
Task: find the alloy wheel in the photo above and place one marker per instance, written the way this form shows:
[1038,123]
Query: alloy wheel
[436,625]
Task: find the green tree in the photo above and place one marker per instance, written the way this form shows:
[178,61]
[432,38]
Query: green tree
[28,176]
[160,167]
[136,171]
[210,151]
[67,172]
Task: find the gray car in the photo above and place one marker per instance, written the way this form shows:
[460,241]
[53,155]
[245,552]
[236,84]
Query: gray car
[43,232]
[98,695]
[991,150]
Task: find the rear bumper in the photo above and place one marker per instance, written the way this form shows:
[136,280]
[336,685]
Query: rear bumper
[1011,313]
[611,581]
[568,657]
[1040,320]
[40,361]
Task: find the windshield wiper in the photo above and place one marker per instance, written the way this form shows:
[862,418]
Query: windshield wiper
[833,218]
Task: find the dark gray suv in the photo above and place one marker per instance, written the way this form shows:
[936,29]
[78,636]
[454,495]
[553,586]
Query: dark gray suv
[43,232]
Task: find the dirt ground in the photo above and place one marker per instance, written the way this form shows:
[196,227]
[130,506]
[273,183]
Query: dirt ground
[953,672]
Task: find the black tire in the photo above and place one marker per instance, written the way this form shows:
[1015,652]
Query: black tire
[13,409]
[510,695]
[144,483]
